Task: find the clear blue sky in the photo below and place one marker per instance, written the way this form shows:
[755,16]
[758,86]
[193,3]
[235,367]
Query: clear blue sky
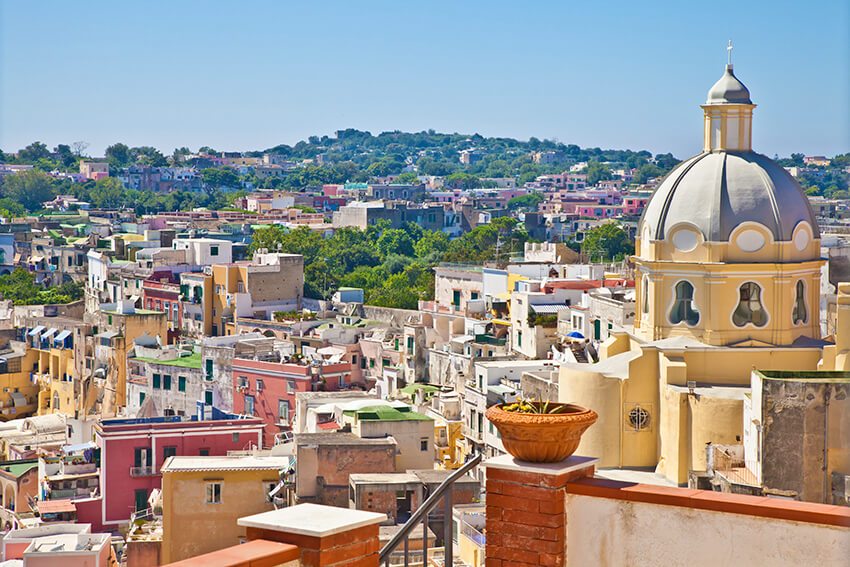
[250,75]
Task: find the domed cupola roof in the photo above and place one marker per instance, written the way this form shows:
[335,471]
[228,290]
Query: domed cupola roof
[728,90]
[717,191]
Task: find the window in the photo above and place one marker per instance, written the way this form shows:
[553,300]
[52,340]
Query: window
[236,437]
[385,362]
[474,295]
[208,397]
[170,451]
[249,404]
[800,314]
[638,418]
[240,287]
[209,364]
[213,250]
[750,309]
[109,319]
[140,499]
[141,398]
[181,383]
[409,345]
[290,386]
[456,299]
[156,381]
[519,338]
[166,382]
[204,452]
[645,293]
[683,306]
[354,360]
[260,385]
[371,363]
[283,411]
[269,487]
[423,444]
[213,493]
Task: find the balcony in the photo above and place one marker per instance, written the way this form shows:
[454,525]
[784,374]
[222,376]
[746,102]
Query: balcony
[473,434]
[136,472]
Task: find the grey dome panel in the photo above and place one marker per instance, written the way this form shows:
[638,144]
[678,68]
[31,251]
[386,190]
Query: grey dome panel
[728,90]
[717,191]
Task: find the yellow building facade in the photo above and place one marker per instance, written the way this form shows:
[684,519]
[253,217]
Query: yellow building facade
[202,497]
[728,277]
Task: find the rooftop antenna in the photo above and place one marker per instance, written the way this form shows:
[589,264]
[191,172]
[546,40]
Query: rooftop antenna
[729,49]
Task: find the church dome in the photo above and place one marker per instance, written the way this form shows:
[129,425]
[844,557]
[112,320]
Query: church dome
[717,191]
[728,90]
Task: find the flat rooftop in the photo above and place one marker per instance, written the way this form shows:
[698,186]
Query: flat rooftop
[340,438]
[235,463]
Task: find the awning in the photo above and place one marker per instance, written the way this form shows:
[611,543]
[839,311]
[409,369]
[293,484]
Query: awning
[550,308]
[330,351]
[463,339]
[35,259]
[56,506]
[19,399]
[330,425]
[106,335]
[79,447]
[501,389]
[48,333]
[36,331]
[62,336]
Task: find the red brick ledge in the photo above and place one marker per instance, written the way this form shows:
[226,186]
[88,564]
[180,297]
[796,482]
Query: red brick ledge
[761,506]
[256,553]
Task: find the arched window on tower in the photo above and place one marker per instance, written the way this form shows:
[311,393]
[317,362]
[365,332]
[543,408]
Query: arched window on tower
[684,308]
[800,314]
[645,292]
[750,309]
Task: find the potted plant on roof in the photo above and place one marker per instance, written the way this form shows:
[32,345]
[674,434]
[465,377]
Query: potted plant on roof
[540,432]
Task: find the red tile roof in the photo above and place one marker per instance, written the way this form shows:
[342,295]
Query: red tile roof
[56,506]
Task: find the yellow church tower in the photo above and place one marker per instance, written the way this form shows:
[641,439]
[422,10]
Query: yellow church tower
[728,273]
[728,249]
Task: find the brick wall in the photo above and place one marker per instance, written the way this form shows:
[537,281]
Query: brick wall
[526,513]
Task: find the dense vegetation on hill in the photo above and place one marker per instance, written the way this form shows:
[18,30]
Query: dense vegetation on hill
[21,289]
[393,266]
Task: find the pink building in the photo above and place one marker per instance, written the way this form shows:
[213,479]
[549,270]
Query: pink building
[600,211]
[267,389]
[133,450]
[634,206]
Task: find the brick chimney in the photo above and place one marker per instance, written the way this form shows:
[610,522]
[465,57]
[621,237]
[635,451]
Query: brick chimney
[526,510]
[327,535]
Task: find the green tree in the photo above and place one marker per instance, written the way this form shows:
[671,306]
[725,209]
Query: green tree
[407,177]
[30,188]
[646,172]
[118,155]
[395,241]
[432,245]
[528,202]
[597,172]
[607,241]
[34,152]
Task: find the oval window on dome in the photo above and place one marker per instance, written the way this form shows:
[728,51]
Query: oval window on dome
[685,240]
[801,239]
[750,240]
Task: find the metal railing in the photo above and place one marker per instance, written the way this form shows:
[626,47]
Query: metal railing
[421,516]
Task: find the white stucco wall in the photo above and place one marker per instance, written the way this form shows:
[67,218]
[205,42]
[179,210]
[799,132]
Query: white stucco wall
[605,531]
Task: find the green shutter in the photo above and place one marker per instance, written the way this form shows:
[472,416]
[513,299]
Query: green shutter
[156,383]
[181,383]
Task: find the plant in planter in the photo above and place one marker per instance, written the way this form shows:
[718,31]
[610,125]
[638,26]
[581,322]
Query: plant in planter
[540,432]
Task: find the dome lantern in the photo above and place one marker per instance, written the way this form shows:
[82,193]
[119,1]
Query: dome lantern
[728,114]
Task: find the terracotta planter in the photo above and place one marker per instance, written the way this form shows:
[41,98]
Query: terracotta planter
[542,438]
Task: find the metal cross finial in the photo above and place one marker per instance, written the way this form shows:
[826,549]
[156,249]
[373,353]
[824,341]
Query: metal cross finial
[729,49]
